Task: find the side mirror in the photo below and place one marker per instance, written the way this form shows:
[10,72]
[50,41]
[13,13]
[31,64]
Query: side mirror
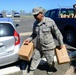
[17,25]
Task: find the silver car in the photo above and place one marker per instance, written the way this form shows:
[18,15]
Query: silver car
[10,42]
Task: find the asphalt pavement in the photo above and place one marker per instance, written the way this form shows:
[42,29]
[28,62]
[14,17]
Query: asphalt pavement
[61,69]
[42,69]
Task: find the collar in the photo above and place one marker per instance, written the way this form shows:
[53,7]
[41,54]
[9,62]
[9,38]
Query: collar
[42,22]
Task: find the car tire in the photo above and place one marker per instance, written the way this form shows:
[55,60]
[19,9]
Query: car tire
[70,37]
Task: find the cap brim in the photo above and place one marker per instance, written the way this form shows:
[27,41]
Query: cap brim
[35,13]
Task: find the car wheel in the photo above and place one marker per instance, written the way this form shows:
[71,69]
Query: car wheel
[70,37]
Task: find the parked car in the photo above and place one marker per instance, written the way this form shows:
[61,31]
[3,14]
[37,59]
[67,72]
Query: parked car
[16,14]
[1,15]
[10,42]
[9,15]
[65,18]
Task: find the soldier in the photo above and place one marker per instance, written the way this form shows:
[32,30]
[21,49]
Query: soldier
[43,29]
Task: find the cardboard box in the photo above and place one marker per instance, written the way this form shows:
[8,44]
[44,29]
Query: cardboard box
[62,55]
[26,51]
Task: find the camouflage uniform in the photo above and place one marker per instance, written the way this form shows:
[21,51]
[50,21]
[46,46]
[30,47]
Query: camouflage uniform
[45,43]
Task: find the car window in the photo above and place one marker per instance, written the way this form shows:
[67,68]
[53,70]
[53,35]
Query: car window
[71,13]
[6,29]
[1,15]
[47,13]
[62,13]
[53,14]
[66,13]
[16,13]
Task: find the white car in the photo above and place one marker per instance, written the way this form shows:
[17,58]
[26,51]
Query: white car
[16,14]
[9,15]
[10,42]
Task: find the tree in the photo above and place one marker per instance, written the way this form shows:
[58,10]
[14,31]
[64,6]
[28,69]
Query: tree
[22,12]
[4,13]
[13,11]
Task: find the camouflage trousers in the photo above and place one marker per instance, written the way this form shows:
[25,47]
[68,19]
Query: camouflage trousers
[38,54]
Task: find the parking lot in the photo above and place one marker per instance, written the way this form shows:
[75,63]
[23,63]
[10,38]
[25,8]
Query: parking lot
[25,29]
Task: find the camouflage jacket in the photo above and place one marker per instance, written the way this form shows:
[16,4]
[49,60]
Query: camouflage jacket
[44,31]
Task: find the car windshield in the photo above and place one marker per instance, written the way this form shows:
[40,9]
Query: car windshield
[16,13]
[47,13]
[0,14]
[6,29]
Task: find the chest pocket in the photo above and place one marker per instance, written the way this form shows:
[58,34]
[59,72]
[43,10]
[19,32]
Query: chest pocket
[47,35]
[46,30]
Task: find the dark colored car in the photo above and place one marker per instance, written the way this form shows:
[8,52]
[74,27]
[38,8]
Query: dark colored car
[1,15]
[65,18]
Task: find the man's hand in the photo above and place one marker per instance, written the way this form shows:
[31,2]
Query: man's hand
[26,42]
[60,47]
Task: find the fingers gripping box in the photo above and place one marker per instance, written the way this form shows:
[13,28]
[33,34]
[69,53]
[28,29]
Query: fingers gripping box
[26,51]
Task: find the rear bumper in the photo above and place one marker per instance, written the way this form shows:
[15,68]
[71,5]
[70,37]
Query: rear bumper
[9,59]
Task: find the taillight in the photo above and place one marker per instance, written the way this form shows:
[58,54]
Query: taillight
[17,38]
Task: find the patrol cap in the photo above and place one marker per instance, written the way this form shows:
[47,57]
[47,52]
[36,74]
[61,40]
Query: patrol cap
[36,10]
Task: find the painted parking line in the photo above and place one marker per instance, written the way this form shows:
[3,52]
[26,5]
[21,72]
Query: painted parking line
[9,70]
[17,20]
[25,34]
